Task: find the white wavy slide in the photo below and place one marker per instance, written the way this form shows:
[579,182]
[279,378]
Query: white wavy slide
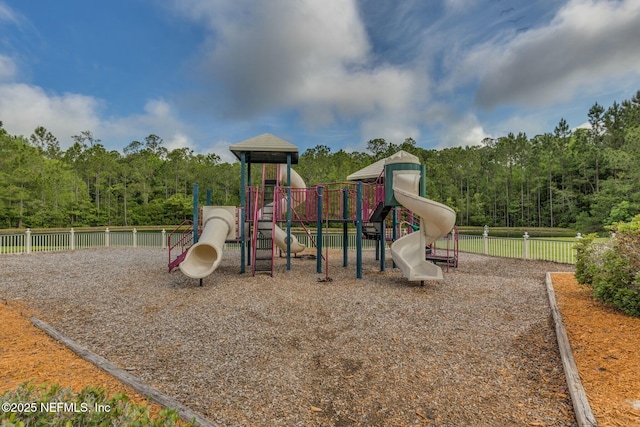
[280,236]
[436,221]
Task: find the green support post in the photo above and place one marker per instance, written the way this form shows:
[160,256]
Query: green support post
[359,231]
[288,211]
[248,184]
[394,232]
[319,228]
[423,180]
[383,243]
[195,213]
[345,227]
[243,211]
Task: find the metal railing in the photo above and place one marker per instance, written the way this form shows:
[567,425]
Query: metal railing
[526,247]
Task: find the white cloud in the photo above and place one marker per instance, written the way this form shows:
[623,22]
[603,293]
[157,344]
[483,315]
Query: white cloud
[310,56]
[587,43]
[532,124]
[275,56]
[8,69]
[158,118]
[461,132]
[221,148]
[584,125]
[178,140]
[383,94]
[389,129]
[157,108]
[24,107]
[7,14]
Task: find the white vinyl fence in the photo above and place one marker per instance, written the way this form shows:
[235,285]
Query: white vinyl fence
[525,247]
[27,242]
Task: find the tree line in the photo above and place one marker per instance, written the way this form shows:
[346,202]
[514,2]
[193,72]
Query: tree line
[584,178]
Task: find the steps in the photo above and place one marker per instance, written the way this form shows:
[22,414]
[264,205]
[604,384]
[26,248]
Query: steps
[372,229]
[263,254]
[263,249]
[380,213]
[179,242]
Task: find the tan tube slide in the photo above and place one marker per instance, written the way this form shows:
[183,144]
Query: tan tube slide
[204,257]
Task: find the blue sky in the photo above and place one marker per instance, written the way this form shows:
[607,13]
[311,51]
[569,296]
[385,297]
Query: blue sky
[208,73]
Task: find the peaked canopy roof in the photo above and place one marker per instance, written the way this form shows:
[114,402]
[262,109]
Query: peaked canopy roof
[373,171]
[368,173]
[265,148]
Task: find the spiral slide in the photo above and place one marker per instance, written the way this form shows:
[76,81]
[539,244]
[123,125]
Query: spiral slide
[436,221]
[280,236]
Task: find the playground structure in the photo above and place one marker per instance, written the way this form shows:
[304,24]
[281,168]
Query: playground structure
[394,185]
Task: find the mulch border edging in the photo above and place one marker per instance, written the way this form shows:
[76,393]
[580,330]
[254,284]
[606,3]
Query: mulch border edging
[581,407]
[136,383]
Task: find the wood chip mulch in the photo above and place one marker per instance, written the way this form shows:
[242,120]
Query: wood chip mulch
[606,347]
[492,293]
[27,354]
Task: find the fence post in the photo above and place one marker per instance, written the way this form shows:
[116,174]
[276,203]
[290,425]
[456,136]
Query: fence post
[135,238]
[27,241]
[164,239]
[72,239]
[106,238]
[485,240]
[525,248]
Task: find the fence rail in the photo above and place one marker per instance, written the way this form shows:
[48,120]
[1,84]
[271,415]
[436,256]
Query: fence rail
[28,242]
[526,247]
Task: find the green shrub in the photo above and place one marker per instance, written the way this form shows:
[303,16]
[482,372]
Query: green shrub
[52,405]
[614,276]
[586,266]
[613,272]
